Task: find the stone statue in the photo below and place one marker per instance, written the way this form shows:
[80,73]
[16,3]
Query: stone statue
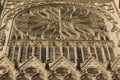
[109,66]
[78,67]
[47,67]
[16,65]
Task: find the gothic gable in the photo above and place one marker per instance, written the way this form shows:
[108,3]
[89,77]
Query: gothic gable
[62,62]
[33,62]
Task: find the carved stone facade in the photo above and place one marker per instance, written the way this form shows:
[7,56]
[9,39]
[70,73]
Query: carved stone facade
[59,40]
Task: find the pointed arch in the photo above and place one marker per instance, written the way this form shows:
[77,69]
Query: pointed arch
[116,77]
[31,71]
[6,77]
[101,77]
[62,71]
[37,76]
[85,77]
[53,77]
[70,77]
[22,76]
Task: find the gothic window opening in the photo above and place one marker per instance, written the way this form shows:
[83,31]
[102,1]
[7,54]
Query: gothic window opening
[22,77]
[37,52]
[51,53]
[31,71]
[37,77]
[86,54]
[53,77]
[111,52]
[23,54]
[57,52]
[71,54]
[99,53]
[107,38]
[16,52]
[13,37]
[65,52]
[19,37]
[101,77]
[62,71]
[70,77]
[85,77]
[93,52]
[93,71]
[116,77]
[106,53]
[29,52]
[43,54]
[79,54]
[11,52]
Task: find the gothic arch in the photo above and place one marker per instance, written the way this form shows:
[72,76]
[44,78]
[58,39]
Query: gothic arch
[6,76]
[22,76]
[37,76]
[53,77]
[116,77]
[85,77]
[70,77]
[62,71]
[102,77]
